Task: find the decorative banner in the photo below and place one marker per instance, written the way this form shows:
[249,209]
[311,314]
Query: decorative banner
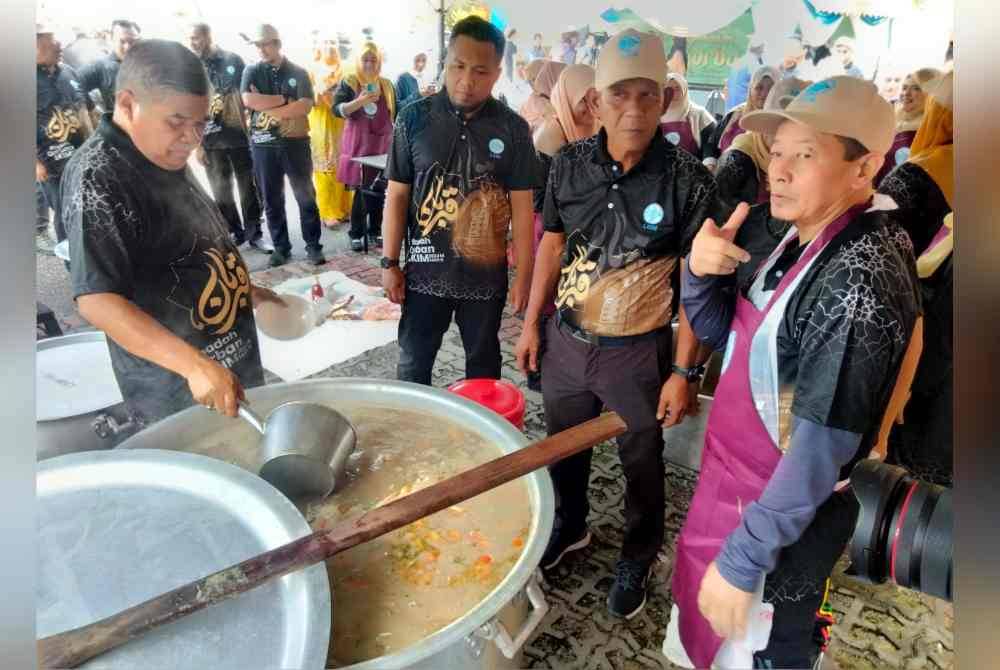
[710,57]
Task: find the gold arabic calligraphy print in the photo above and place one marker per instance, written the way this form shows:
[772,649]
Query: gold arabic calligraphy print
[224,294]
[439,208]
[64,122]
[574,284]
[266,122]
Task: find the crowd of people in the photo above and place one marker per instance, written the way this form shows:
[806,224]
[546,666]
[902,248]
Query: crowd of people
[806,235]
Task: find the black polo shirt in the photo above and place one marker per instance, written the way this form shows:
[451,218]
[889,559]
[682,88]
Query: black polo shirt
[226,127]
[624,231]
[461,173]
[58,128]
[101,75]
[156,238]
[289,80]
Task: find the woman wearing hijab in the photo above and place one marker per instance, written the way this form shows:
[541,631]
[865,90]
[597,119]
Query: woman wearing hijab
[325,134]
[367,103]
[539,107]
[909,116]
[742,170]
[685,123]
[924,189]
[726,131]
[573,101]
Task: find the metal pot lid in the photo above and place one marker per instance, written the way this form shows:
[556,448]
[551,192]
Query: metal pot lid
[73,376]
[118,527]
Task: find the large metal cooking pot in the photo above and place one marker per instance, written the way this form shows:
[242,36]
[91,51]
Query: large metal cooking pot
[78,404]
[491,634]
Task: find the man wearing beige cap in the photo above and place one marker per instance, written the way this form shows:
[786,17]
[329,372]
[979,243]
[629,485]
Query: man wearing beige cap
[814,342]
[621,208]
[280,96]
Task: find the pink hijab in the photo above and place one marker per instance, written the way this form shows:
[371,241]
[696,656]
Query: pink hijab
[570,88]
[537,107]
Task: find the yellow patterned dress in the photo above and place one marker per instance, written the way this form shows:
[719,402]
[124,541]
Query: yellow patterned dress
[325,131]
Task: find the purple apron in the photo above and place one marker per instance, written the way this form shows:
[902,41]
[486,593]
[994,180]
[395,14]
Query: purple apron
[363,136]
[741,439]
[679,134]
[897,154]
[730,135]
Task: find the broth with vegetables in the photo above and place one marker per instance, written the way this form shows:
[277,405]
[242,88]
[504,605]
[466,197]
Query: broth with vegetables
[395,590]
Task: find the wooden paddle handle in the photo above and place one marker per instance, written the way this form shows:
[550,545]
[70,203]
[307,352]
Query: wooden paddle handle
[73,647]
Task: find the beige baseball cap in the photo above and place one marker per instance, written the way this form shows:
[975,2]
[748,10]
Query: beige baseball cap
[842,105]
[631,54]
[265,32]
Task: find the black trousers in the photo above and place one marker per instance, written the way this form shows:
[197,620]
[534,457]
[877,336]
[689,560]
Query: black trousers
[579,380]
[271,165]
[222,166]
[50,187]
[798,583]
[364,207]
[41,208]
[425,320]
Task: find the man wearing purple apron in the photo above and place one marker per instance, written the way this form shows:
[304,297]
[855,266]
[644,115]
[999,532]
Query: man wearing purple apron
[814,340]
[621,208]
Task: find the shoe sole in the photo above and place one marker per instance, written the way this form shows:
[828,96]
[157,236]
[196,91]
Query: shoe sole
[630,615]
[579,544]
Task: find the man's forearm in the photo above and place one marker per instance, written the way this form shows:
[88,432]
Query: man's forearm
[138,333]
[397,201]
[688,352]
[708,304]
[545,276]
[259,102]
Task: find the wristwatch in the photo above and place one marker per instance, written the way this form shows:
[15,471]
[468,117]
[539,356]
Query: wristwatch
[693,374]
[387,263]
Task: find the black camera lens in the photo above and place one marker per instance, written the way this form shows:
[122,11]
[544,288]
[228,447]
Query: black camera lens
[904,530]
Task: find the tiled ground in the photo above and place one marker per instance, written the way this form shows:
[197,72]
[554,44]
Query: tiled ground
[878,627]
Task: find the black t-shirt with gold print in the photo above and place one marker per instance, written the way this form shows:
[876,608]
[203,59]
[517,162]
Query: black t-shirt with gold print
[624,232]
[461,171]
[156,238]
[289,80]
[226,128]
[60,103]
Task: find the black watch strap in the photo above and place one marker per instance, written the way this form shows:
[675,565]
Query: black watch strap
[387,262]
[690,374]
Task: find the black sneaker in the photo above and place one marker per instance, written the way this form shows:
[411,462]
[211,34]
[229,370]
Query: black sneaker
[278,257]
[357,244]
[262,246]
[561,544]
[315,256]
[628,593]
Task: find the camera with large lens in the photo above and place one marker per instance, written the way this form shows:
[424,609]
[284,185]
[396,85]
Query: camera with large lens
[904,530]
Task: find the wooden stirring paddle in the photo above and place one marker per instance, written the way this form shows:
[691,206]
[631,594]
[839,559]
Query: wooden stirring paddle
[73,647]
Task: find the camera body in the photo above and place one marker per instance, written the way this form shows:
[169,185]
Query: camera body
[904,530]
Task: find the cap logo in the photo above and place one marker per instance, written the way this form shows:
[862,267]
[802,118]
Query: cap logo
[820,87]
[629,46]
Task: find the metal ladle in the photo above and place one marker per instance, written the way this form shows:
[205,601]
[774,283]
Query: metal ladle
[304,449]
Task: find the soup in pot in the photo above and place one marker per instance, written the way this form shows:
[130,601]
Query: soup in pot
[395,590]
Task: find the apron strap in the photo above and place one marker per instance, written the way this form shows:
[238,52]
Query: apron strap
[901,391]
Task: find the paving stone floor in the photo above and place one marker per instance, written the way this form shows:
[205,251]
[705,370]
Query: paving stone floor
[878,627]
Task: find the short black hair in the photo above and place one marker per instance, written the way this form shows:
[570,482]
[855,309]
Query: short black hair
[481,30]
[125,24]
[853,150]
[152,65]
[202,28]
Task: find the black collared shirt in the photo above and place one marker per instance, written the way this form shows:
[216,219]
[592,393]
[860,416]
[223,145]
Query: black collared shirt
[226,128]
[624,231]
[461,171]
[101,75]
[155,237]
[58,129]
[289,80]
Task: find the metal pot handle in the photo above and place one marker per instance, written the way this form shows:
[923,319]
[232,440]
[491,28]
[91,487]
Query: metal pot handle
[496,631]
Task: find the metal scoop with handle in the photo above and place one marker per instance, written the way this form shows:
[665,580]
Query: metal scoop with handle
[304,447]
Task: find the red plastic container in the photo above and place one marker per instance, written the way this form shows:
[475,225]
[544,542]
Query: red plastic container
[498,395]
